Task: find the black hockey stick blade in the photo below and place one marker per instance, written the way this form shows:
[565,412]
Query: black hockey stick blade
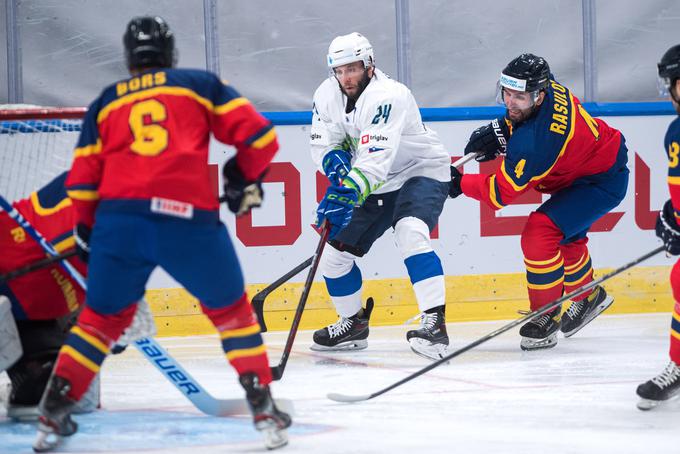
[338,397]
[35,266]
[258,299]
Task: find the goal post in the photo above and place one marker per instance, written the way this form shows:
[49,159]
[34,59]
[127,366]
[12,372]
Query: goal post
[36,144]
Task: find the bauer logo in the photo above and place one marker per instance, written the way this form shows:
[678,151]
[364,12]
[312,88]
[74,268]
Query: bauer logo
[172,208]
[512,83]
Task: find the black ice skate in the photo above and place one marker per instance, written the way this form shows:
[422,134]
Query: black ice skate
[268,419]
[55,415]
[580,313]
[430,341]
[540,332]
[29,380]
[661,388]
[348,333]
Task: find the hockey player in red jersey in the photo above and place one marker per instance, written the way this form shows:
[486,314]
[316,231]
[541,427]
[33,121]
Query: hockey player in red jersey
[553,145]
[141,189]
[667,384]
[38,307]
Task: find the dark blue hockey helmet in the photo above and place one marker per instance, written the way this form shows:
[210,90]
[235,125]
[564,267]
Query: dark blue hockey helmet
[149,43]
[669,69]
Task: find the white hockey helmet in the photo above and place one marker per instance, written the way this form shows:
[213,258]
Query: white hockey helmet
[348,49]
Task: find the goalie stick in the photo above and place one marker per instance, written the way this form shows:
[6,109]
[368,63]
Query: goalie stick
[338,397]
[151,350]
[35,266]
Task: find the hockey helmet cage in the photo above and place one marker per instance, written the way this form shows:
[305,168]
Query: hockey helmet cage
[348,49]
[149,43]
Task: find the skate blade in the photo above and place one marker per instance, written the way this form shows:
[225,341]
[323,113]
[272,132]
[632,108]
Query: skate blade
[46,440]
[603,306]
[274,437]
[529,344]
[427,349]
[342,346]
[647,404]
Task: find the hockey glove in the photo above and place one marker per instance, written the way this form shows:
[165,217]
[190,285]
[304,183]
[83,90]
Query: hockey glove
[336,165]
[668,230]
[337,207]
[241,195]
[456,177]
[488,141]
[81,233]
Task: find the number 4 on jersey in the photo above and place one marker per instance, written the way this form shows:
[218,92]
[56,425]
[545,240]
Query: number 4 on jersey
[383,112]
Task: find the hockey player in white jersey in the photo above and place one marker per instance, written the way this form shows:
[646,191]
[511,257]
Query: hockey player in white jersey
[386,169]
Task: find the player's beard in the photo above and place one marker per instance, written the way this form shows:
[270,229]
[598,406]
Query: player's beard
[361,86]
[525,114]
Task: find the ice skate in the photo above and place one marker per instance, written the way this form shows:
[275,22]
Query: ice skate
[348,333]
[540,332]
[580,313]
[268,419]
[431,341]
[55,415]
[661,388]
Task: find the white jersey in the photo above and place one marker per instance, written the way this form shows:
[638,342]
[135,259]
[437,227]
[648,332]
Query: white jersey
[384,133]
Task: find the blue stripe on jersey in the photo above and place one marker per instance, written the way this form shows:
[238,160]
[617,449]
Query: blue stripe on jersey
[259,134]
[423,266]
[17,310]
[345,285]
[53,192]
[80,187]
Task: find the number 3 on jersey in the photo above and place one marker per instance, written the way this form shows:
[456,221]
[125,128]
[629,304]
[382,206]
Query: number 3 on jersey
[150,137]
[383,112]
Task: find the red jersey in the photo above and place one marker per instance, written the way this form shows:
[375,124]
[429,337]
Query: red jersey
[47,293]
[145,141]
[548,152]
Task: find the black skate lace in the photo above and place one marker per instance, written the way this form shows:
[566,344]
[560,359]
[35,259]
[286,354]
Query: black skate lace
[669,375]
[340,327]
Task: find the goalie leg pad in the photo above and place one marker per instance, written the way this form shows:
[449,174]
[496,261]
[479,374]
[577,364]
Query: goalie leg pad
[241,339]
[10,343]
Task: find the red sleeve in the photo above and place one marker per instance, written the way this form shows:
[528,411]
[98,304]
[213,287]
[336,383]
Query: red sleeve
[495,189]
[237,123]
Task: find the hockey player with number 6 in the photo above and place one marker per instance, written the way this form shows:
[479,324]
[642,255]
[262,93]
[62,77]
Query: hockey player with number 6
[667,384]
[140,185]
[553,145]
[386,169]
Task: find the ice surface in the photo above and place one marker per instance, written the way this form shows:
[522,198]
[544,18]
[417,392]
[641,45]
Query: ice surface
[576,398]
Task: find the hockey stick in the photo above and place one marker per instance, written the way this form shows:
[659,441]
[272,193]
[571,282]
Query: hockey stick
[547,308]
[258,299]
[147,346]
[35,266]
[277,371]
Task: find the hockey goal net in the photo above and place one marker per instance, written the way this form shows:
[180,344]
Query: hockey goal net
[36,144]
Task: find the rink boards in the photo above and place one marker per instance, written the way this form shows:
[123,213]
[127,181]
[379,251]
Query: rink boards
[479,248]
